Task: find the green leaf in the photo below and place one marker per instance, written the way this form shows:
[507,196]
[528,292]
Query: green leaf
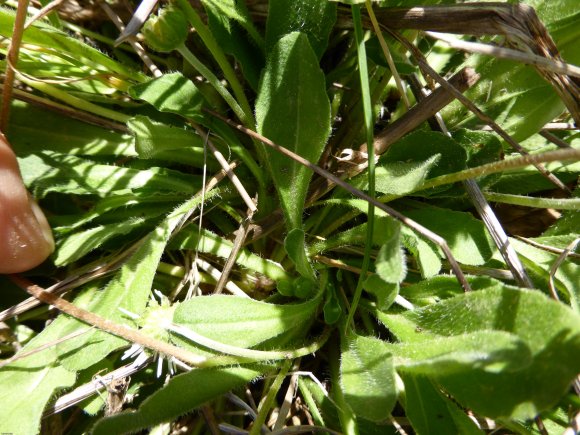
[553,339]
[427,255]
[152,138]
[540,262]
[481,147]
[367,377]
[295,247]
[421,146]
[146,203]
[332,308]
[398,178]
[510,92]
[212,243]
[375,53]
[489,351]
[385,292]
[384,224]
[440,287]
[29,383]
[430,412]
[241,322]
[466,236]
[182,394]
[54,172]
[78,244]
[293,110]
[60,43]
[390,263]
[129,289]
[173,93]
[53,132]
[232,27]
[313,18]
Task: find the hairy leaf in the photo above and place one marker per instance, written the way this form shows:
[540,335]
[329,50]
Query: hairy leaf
[156,140]
[53,132]
[296,249]
[553,339]
[60,43]
[385,292]
[398,178]
[233,29]
[489,351]
[427,254]
[241,322]
[173,93]
[367,377]
[29,383]
[390,263]
[430,412]
[314,18]
[466,236]
[421,146]
[182,394]
[129,289]
[54,172]
[76,245]
[293,110]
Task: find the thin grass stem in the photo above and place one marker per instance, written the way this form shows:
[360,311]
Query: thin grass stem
[368,118]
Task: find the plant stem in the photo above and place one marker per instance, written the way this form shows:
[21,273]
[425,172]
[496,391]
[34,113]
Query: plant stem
[11,61]
[268,401]
[78,103]
[204,33]
[368,117]
[503,165]
[346,416]
[249,354]
[214,81]
[535,202]
[387,54]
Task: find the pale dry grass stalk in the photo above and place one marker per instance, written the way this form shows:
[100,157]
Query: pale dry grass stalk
[518,23]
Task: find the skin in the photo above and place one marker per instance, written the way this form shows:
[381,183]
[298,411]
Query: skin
[25,236]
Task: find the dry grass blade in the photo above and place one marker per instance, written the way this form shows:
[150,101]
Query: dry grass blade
[91,272]
[554,139]
[241,235]
[30,352]
[423,110]
[517,22]
[226,167]
[508,53]
[87,390]
[498,234]
[11,60]
[44,12]
[489,218]
[129,38]
[554,269]
[137,20]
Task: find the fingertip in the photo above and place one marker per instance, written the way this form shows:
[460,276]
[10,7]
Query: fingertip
[25,235]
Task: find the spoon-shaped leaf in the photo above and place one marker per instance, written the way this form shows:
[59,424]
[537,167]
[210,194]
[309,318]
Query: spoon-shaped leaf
[293,110]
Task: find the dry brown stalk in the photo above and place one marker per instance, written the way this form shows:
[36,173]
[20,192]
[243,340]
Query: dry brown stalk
[518,23]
